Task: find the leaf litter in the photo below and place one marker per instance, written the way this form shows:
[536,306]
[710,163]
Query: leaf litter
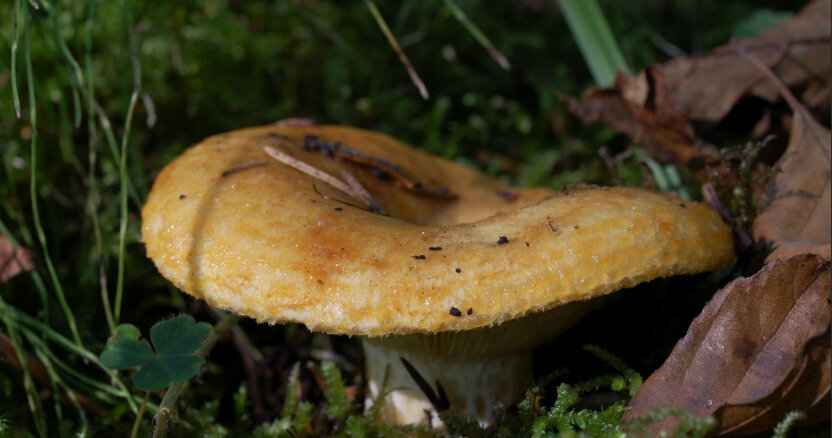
[13,260]
[761,348]
[671,109]
[796,213]
[758,350]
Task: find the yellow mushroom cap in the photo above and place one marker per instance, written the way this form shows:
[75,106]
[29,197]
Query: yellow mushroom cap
[226,223]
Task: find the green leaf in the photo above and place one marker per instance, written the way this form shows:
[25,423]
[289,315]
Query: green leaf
[176,340]
[166,371]
[178,336]
[123,353]
[128,331]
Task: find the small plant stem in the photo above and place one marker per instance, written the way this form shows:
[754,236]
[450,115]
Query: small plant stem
[54,381]
[166,407]
[33,188]
[138,421]
[77,75]
[47,355]
[93,196]
[16,315]
[32,397]
[137,86]
[782,428]
[472,28]
[414,77]
[175,390]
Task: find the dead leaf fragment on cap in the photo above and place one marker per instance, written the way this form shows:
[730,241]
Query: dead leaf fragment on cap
[13,261]
[795,216]
[760,348]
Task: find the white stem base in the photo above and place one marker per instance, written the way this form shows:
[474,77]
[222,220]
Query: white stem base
[474,386]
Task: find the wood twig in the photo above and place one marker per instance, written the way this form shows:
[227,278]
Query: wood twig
[381,168]
[316,173]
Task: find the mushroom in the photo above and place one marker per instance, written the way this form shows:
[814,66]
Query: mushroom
[456,273]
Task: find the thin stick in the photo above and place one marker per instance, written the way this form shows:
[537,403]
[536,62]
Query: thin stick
[174,391]
[314,172]
[414,77]
[362,192]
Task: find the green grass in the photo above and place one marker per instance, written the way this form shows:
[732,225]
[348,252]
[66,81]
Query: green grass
[95,97]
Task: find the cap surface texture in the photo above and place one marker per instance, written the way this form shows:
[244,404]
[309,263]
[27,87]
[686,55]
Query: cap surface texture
[455,250]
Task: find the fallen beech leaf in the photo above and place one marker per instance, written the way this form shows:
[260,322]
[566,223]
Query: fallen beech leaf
[758,349]
[708,87]
[660,107]
[13,260]
[795,216]
[644,108]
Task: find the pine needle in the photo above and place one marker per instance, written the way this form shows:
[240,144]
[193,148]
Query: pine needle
[414,77]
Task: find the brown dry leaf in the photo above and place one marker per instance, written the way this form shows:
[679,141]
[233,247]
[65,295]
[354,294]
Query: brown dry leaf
[13,260]
[760,348]
[644,108]
[707,87]
[795,216]
[659,106]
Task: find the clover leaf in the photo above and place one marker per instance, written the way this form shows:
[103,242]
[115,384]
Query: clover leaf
[172,359]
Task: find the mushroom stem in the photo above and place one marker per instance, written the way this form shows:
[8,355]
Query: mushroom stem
[478,369]
[474,386]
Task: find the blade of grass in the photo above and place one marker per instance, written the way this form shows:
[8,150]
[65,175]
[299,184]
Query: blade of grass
[18,316]
[134,433]
[93,196]
[33,187]
[472,28]
[414,77]
[105,390]
[128,123]
[15,95]
[53,381]
[32,397]
[175,390]
[595,40]
[75,68]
